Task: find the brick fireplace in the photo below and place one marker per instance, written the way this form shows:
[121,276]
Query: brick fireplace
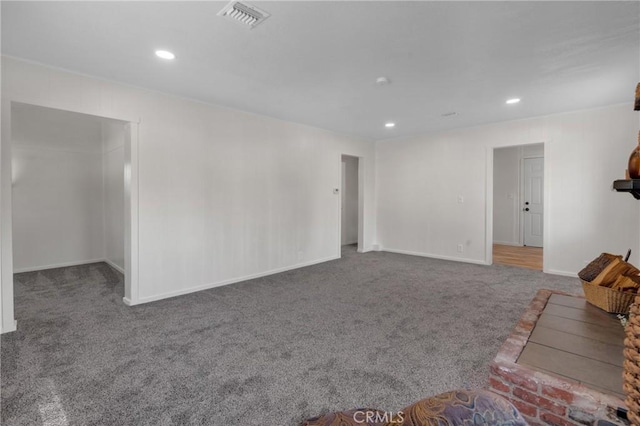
[545,398]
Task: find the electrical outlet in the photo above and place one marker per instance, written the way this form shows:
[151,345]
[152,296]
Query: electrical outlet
[460,248]
[460,199]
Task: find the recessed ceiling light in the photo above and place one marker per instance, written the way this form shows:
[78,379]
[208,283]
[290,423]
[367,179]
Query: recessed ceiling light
[382,81]
[389,125]
[513,101]
[165,54]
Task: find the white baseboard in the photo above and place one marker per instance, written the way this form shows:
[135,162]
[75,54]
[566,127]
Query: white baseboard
[225,282]
[562,273]
[507,243]
[65,264]
[57,265]
[12,327]
[114,266]
[435,256]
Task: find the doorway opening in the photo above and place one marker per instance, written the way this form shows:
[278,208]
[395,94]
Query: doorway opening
[518,206]
[67,191]
[69,200]
[350,203]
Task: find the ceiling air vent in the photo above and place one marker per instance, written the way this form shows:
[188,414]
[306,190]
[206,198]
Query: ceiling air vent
[251,16]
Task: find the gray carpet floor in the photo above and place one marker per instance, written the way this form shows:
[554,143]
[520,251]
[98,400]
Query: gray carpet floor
[377,329]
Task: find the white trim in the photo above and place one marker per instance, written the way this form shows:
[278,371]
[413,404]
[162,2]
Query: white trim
[488,208]
[7,322]
[436,256]
[562,273]
[58,265]
[546,209]
[141,300]
[131,214]
[343,173]
[11,328]
[114,266]
[103,157]
[362,164]
[505,243]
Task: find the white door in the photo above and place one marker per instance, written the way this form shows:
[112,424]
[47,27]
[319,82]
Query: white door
[533,201]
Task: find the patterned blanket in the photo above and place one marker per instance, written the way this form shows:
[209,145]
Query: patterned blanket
[455,408]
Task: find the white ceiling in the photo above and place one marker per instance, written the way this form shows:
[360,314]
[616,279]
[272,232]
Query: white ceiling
[317,62]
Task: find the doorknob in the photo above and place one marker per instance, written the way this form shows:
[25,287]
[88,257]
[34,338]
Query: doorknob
[526,203]
[526,209]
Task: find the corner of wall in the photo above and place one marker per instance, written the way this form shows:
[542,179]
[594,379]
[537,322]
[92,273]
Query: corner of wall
[7,321]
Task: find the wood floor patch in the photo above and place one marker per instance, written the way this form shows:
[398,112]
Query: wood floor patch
[523,257]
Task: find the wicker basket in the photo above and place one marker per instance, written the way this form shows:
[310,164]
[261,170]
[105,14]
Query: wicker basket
[631,369]
[612,301]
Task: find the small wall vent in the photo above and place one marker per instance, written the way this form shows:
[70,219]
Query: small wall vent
[243,13]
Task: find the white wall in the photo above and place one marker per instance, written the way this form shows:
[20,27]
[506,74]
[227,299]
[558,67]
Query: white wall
[350,201]
[506,200]
[113,166]
[57,189]
[419,181]
[223,195]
